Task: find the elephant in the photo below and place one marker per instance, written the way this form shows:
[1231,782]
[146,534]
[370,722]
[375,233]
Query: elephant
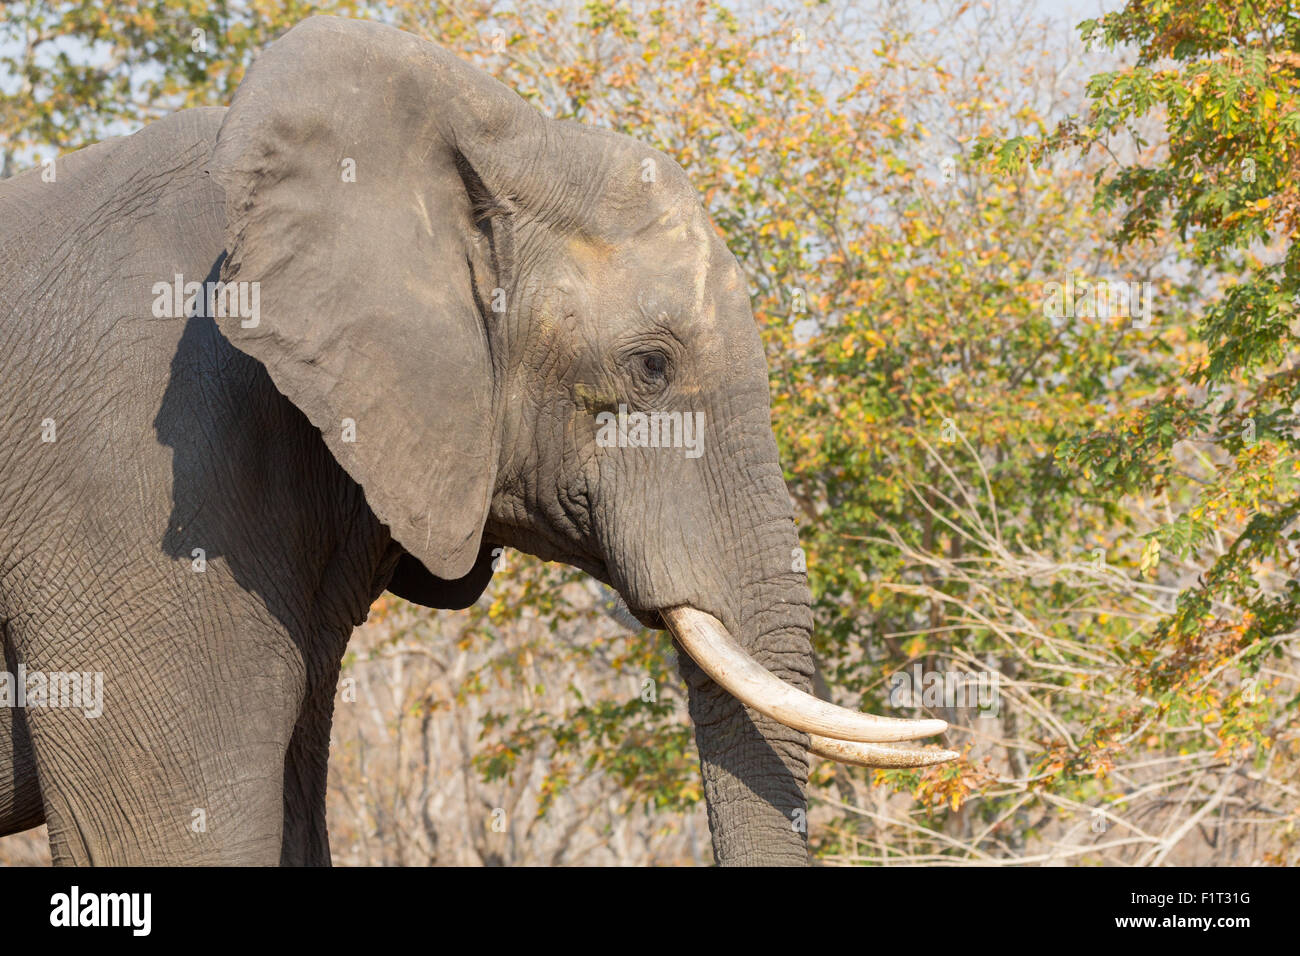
[357,331]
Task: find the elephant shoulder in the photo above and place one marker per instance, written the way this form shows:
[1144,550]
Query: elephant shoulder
[105,194]
[162,147]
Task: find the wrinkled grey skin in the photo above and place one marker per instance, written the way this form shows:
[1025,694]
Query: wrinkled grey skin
[474,429]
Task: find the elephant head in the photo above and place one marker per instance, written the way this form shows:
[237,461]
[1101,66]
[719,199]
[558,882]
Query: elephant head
[537,335]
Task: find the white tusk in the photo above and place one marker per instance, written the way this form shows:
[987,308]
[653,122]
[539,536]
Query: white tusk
[707,641]
[875,755]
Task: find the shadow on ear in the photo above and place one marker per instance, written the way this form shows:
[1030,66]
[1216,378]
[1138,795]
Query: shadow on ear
[354,160]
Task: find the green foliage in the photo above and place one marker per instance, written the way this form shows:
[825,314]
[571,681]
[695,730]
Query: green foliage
[1224,87]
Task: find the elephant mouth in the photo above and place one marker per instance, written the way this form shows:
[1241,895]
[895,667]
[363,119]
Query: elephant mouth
[835,733]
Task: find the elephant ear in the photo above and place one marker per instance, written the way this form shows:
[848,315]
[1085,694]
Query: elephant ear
[355,160]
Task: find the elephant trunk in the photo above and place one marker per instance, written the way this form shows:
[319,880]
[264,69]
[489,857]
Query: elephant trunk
[749,677]
[755,767]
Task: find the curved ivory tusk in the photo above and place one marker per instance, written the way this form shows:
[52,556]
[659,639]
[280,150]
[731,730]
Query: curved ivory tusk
[875,755]
[707,641]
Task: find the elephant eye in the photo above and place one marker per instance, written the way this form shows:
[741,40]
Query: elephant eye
[654,365]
